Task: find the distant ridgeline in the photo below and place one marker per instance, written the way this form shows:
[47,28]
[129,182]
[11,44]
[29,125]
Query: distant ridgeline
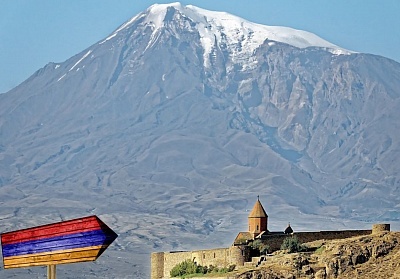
[241,252]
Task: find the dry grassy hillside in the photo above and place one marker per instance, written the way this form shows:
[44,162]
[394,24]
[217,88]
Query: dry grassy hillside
[373,256]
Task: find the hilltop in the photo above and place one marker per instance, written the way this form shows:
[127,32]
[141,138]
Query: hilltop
[370,256]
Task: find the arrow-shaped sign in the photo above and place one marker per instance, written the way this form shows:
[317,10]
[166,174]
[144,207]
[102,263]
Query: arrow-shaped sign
[78,240]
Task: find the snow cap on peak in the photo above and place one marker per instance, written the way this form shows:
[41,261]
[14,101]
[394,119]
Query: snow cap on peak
[210,23]
[157,12]
[239,36]
[162,7]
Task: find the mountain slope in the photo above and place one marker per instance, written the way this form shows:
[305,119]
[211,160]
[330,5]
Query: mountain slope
[164,132]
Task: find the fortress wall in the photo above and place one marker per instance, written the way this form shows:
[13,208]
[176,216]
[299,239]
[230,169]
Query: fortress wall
[220,257]
[171,259]
[239,255]
[157,265]
[216,257]
[275,241]
[377,228]
[162,263]
[329,235]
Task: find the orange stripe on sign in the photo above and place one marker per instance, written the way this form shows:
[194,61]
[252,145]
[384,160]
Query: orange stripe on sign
[61,257]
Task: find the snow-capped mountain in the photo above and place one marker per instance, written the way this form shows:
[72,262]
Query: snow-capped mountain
[171,126]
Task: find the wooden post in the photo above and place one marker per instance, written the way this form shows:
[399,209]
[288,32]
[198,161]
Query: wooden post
[51,271]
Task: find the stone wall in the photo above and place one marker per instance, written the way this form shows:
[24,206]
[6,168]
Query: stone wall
[157,265]
[239,254]
[162,263]
[377,228]
[275,241]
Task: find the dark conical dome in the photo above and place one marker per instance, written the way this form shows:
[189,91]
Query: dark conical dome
[289,229]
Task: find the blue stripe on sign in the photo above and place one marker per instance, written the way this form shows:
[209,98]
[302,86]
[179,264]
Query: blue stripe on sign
[77,240]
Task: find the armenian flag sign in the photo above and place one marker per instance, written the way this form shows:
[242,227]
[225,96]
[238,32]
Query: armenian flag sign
[78,240]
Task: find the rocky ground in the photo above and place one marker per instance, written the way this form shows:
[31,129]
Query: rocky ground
[373,256]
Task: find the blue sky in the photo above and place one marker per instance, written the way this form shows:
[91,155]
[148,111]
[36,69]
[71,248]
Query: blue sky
[35,32]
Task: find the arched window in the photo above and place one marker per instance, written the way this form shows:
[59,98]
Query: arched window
[257,227]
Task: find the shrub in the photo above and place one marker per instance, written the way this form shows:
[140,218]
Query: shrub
[201,269]
[184,268]
[223,270]
[260,246]
[292,244]
[189,267]
[320,250]
[211,268]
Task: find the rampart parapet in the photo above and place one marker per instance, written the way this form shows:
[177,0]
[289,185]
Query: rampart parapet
[378,228]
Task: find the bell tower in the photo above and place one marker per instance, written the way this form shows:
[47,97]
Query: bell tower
[258,219]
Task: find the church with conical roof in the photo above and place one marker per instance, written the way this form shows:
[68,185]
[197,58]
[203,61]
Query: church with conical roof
[258,224]
[242,252]
[258,219]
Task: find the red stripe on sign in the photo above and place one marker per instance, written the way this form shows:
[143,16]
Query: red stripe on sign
[85,224]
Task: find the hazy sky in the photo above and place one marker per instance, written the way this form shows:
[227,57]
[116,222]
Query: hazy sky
[35,32]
